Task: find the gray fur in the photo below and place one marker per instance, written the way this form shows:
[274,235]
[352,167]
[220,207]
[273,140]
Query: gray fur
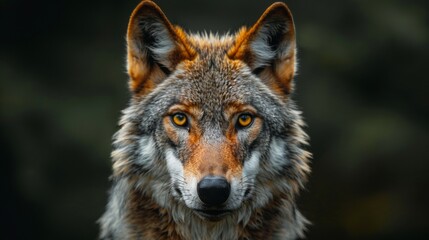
[144,160]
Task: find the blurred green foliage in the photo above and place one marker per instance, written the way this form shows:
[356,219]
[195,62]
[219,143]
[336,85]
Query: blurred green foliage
[362,85]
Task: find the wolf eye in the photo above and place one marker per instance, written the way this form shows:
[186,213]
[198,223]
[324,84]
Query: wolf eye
[179,119]
[244,120]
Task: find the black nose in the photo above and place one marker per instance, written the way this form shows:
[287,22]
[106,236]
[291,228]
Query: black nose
[213,190]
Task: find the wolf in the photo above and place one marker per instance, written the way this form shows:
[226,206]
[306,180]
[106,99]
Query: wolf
[211,145]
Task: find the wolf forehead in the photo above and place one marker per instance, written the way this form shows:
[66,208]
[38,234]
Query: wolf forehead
[211,77]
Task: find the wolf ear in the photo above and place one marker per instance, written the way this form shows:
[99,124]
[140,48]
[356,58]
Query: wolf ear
[268,48]
[154,47]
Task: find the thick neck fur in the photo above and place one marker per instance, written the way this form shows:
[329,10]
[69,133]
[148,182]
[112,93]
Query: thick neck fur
[141,217]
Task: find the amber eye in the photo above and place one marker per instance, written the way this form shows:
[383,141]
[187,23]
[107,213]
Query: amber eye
[244,120]
[180,119]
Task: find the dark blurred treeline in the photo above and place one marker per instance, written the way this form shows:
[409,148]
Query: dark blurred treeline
[363,87]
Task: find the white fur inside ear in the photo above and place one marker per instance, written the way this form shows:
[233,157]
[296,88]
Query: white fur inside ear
[261,49]
[265,53]
[153,40]
[163,44]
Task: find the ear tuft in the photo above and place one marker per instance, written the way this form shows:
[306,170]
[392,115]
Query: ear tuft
[268,47]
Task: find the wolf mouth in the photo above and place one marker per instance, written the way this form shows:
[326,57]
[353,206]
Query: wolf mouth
[212,215]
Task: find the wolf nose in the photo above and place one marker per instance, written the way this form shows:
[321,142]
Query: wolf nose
[213,190]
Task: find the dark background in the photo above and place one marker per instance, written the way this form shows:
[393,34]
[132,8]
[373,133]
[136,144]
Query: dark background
[362,85]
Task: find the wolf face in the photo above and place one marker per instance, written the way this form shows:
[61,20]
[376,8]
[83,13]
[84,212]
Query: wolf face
[211,131]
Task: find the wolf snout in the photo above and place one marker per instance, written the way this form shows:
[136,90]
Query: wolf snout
[213,190]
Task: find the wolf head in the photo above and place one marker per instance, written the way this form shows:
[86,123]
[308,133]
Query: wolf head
[211,125]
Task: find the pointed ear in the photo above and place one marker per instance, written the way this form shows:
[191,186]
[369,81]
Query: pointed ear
[268,48]
[155,47]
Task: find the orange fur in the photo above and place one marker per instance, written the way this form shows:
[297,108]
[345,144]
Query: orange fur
[165,174]
[284,69]
[145,76]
